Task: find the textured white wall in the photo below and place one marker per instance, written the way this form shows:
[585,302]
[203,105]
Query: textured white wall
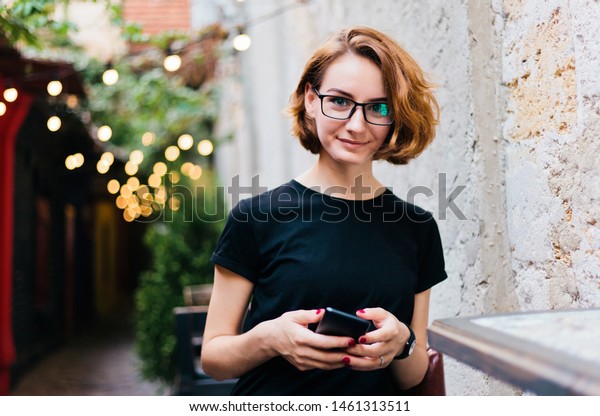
[520,98]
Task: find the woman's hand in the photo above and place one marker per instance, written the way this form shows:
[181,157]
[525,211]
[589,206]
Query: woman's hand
[377,349]
[303,348]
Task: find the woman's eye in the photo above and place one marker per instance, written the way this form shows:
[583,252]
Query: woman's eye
[380,109]
[339,101]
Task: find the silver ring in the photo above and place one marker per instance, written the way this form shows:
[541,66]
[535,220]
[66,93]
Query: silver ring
[381,361]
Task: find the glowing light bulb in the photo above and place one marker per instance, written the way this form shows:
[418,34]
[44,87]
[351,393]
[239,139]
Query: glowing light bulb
[54,123]
[185,168]
[195,172]
[154,180]
[110,76]
[108,157]
[102,166]
[104,133]
[172,153]
[242,42]
[134,183]
[148,138]
[72,101]
[174,176]
[113,186]
[136,157]
[79,159]
[174,203]
[160,168]
[205,147]
[10,94]
[54,88]
[70,162]
[185,142]
[172,63]
[2,108]
[131,168]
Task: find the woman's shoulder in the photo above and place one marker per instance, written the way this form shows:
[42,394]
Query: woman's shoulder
[264,202]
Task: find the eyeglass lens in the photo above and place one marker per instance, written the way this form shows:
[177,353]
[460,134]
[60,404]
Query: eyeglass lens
[342,108]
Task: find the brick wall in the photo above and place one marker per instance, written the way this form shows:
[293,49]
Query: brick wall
[158,15]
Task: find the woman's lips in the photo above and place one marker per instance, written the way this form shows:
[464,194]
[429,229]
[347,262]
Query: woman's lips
[352,142]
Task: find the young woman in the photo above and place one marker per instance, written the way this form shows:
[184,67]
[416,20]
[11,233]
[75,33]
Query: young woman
[333,237]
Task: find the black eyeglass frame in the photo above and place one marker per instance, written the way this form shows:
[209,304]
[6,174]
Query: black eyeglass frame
[356,104]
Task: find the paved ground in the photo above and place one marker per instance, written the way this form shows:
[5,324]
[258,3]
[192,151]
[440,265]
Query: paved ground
[100,363]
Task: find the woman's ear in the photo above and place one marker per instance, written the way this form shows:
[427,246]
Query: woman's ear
[309,100]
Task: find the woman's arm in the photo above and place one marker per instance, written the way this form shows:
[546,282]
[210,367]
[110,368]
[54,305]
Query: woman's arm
[229,353]
[411,370]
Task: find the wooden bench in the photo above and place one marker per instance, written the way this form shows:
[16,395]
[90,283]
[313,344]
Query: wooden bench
[191,380]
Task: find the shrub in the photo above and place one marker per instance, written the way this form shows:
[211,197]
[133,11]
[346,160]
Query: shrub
[181,251]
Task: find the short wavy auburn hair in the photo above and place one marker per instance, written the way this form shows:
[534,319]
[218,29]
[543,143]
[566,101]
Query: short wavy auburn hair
[414,107]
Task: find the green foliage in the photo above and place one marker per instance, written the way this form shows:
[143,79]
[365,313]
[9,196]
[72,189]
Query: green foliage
[23,20]
[149,101]
[181,243]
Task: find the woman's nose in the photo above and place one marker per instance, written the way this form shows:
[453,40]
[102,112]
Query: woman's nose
[357,121]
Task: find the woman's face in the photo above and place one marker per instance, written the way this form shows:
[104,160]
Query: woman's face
[352,141]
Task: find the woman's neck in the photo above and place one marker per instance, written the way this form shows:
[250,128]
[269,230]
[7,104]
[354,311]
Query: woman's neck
[341,180]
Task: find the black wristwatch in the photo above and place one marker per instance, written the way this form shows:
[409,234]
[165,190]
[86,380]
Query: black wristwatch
[408,347]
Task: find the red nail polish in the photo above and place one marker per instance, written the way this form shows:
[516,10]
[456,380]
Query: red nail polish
[319,311]
[351,343]
[346,360]
[362,340]
[361,311]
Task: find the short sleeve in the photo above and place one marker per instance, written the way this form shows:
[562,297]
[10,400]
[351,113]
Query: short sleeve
[237,248]
[432,269]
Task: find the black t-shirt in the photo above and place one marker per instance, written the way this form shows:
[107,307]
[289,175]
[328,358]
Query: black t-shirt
[306,250]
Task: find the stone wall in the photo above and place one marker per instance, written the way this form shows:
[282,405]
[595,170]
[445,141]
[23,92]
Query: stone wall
[514,168]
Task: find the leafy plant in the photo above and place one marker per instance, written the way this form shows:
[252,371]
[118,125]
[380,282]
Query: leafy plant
[181,252]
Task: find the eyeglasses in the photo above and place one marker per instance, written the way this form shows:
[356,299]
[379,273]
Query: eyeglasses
[341,108]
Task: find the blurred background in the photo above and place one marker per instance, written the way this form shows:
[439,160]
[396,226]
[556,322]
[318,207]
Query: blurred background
[129,128]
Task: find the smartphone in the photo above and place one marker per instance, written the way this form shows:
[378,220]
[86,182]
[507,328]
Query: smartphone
[340,323]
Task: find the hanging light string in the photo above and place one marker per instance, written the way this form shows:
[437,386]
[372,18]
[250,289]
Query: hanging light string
[275,13]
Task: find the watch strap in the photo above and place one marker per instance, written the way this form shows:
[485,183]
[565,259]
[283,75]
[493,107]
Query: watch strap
[408,347]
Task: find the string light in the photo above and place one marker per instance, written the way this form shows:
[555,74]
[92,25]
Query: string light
[172,63]
[104,133]
[2,108]
[10,94]
[72,101]
[113,186]
[110,76]
[242,42]
[148,138]
[54,88]
[102,166]
[185,168]
[160,169]
[172,153]
[108,157]
[185,142]
[134,183]
[205,147]
[154,180]
[54,123]
[195,172]
[136,157]
[131,168]
[70,162]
